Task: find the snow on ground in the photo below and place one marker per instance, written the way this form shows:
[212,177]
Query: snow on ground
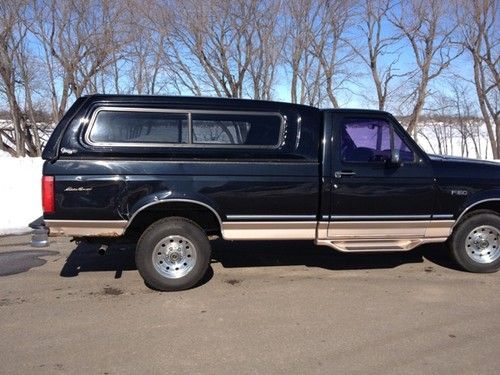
[20,193]
[438,138]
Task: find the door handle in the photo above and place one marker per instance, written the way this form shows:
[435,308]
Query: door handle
[339,174]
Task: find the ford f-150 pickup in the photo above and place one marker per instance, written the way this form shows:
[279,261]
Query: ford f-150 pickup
[171,173]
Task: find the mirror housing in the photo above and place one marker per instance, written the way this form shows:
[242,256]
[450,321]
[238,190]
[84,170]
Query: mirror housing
[395,160]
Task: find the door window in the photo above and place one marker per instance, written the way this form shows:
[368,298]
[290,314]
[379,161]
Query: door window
[369,140]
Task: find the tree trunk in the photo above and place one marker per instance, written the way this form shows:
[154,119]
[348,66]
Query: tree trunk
[495,146]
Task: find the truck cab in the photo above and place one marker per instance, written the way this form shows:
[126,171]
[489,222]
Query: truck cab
[172,172]
[382,186]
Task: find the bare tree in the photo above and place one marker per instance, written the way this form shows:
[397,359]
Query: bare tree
[450,124]
[52,51]
[138,67]
[10,42]
[305,71]
[13,74]
[79,40]
[468,125]
[210,45]
[330,46]
[269,42]
[438,125]
[27,66]
[428,28]
[316,52]
[481,38]
[379,51]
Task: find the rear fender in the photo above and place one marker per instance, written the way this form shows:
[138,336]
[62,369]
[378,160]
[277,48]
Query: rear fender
[165,197]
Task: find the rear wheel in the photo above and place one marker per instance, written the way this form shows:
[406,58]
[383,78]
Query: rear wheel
[173,254]
[475,244]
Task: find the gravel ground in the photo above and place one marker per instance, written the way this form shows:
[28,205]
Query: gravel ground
[275,307]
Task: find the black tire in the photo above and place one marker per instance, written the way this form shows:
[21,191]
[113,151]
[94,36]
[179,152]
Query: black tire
[159,234]
[461,244]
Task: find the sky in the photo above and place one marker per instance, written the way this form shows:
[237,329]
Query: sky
[353,94]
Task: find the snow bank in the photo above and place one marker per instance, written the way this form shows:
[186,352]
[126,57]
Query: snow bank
[441,139]
[20,193]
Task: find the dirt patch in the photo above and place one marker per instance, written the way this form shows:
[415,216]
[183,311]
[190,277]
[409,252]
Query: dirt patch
[233,281]
[110,291]
[7,301]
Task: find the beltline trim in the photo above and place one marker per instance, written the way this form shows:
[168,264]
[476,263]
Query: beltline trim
[380,217]
[341,217]
[443,216]
[267,217]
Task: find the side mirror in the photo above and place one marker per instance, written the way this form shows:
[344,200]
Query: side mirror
[395,160]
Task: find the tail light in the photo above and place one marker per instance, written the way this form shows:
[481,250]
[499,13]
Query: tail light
[48,196]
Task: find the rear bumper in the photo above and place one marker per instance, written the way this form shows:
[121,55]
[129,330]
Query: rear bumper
[42,229]
[40,237]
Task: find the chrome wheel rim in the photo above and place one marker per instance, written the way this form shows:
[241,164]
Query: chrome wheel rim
[482,244]
[174,257]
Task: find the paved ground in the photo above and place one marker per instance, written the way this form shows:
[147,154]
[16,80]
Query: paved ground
[263,308]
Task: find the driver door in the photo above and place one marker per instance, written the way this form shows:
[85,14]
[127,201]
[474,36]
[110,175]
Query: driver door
[368,187]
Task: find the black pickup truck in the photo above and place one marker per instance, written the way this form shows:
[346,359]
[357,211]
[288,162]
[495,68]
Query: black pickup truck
[174,172]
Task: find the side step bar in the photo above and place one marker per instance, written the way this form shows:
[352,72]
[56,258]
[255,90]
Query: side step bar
[377,245]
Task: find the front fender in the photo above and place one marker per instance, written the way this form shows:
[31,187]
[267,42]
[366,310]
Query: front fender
[483,196]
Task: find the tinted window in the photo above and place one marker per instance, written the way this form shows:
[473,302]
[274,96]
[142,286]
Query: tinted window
[365,140]
[236,129]
[140,127]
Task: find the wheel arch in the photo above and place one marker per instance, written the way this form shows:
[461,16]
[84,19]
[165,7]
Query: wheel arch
[486,204]
[203,214]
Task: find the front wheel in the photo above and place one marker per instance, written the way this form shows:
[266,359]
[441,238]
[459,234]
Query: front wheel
[173,254]
[475,244]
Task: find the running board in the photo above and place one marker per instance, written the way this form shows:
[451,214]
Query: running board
[376,244]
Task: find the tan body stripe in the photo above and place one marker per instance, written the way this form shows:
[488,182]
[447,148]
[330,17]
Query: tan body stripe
[341,235]
[86,228]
